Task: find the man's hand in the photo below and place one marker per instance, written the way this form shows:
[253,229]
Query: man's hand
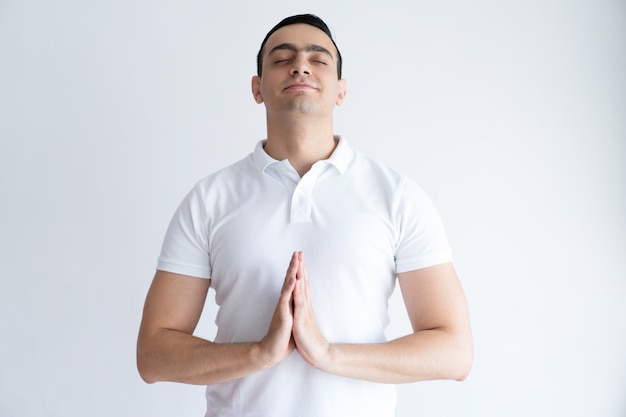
[278,343]
[310,343]
[293,324]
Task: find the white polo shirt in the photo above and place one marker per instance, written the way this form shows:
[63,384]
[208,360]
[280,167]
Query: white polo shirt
[359,225]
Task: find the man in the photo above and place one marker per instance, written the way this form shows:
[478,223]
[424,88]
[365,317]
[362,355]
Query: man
[309,341]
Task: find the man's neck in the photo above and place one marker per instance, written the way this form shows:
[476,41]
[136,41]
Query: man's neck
[303,144]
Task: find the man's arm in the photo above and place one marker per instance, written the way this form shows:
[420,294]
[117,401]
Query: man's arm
[440,346]
[168,351]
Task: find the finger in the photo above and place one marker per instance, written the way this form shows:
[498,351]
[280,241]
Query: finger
[290,278]
[292,270]
[294,265]
[303,277]
[303,271]
[300,294]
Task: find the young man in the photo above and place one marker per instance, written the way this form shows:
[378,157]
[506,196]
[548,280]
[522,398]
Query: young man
[309,341]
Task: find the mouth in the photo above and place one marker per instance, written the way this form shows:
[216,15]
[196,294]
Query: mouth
[300,87]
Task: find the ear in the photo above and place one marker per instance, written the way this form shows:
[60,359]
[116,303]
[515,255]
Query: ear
[256,89]
[341,93]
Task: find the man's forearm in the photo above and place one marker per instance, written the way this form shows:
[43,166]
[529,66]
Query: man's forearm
[168,351]
[442,350]
[169,355]
[425,355]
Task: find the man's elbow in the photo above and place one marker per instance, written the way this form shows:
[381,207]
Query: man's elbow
[145,372]
[465,361]
[145,366]
[463,372]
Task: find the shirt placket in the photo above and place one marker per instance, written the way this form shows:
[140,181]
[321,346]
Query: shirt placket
[301,190]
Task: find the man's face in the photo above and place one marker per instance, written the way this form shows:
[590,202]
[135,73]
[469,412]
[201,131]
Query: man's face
[299,72]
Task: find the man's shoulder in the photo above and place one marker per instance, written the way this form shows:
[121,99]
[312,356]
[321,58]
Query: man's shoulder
[233,172]
[364,164]
[375,174]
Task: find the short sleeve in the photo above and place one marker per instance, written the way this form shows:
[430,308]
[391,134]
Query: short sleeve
[422,240]
[185,248]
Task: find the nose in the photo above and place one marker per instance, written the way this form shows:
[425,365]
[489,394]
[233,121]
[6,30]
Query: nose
[300,67]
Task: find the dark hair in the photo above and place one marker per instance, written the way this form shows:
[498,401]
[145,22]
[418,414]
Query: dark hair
[308,19]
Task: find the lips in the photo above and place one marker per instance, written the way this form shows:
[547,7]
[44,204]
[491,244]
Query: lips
[300,86]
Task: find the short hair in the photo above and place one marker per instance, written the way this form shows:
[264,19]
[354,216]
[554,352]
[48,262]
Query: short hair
[308,19]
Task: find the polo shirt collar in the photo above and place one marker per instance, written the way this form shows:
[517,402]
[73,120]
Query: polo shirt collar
[342,155]
[340,158]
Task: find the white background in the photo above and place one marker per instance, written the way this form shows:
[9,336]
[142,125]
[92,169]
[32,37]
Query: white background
[511,114]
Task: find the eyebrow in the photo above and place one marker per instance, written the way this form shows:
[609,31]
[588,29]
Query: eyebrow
[308,48]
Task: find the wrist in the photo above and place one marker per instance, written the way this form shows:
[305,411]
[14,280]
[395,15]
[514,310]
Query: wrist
[260,357]
[328,358]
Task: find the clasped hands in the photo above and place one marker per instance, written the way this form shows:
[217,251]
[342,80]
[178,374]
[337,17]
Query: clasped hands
[293,325]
